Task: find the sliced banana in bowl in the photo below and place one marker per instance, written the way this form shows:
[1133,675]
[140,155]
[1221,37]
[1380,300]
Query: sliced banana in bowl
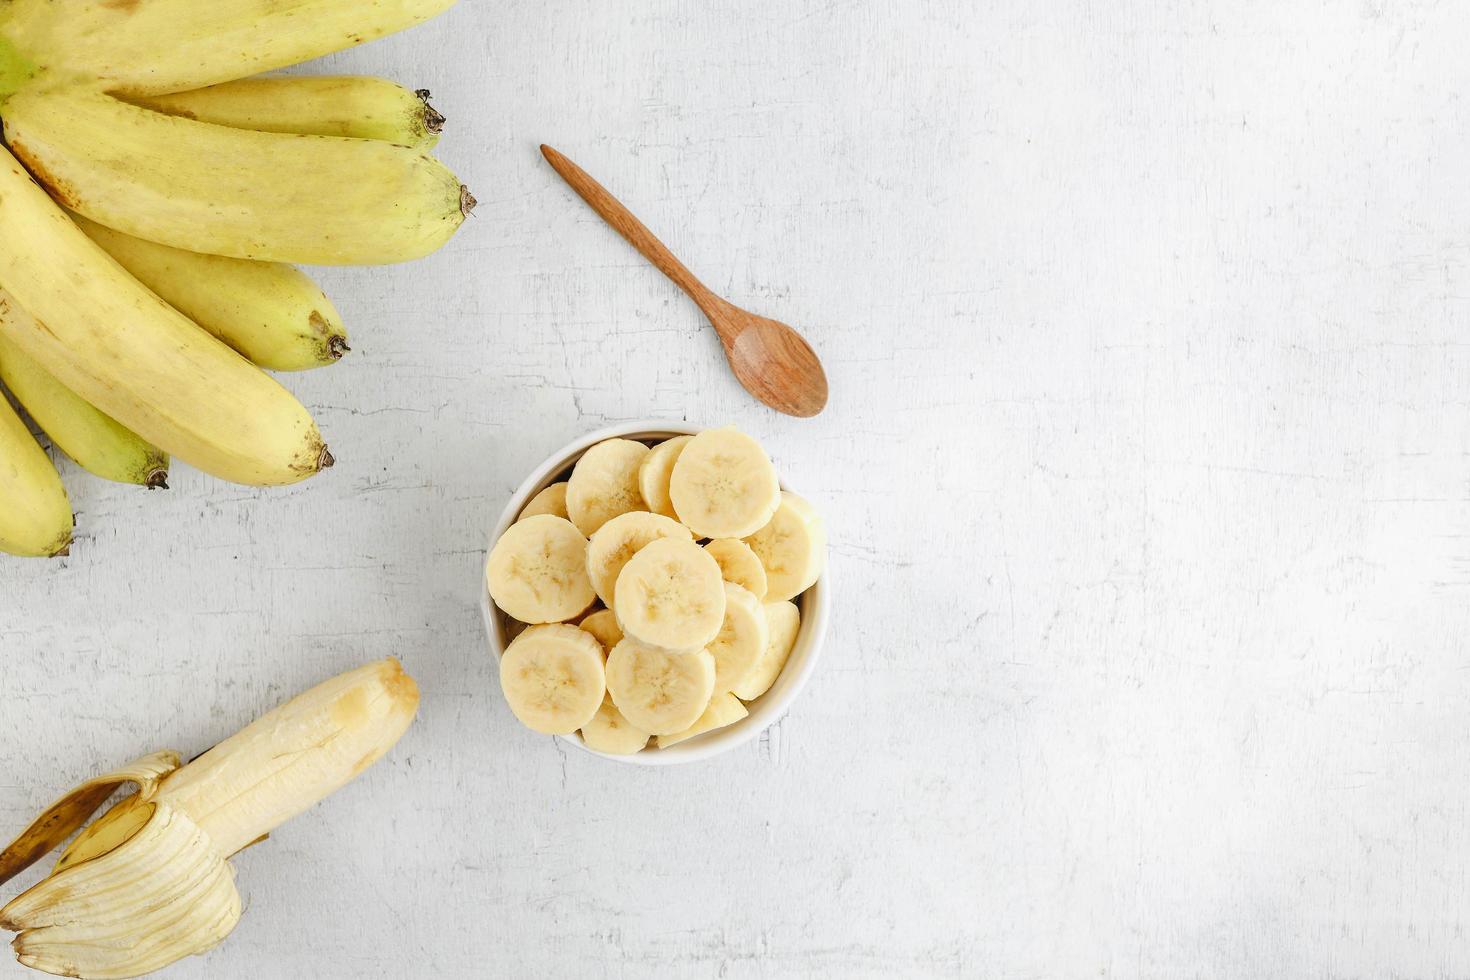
[615,543]
[553,678]
[537,571]
[742,640]
[655,472]
[739,564]
[723,485]
[604,484]
[660,692]
[724,611]
[670,595]
[792,547]
[603,625]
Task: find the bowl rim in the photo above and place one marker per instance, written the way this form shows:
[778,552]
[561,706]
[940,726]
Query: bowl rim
[766,710]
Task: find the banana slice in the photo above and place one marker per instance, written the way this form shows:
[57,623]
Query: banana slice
[552,500]
[739,564]
[792,547]
[723,710]
[654,474]
[621,538]
[604,484]
[537,571]
[552,678]
[610,732]
[660,692]
[670,595]
[784,621]
[724,485]
[603,625]
[743,638]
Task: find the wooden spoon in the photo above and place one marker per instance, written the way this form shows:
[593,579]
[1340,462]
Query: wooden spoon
[772,361]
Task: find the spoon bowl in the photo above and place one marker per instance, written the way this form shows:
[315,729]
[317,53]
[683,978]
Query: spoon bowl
[773,362]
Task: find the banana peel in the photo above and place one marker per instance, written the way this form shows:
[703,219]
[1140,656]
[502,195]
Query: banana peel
[151,881]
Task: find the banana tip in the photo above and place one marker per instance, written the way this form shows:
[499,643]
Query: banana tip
[336,347]
[399,683]
[157,480]
[433,118]
[467,201]
[326,460]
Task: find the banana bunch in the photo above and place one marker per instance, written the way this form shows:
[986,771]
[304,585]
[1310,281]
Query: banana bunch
[150,882]
[153,202]
[680,635]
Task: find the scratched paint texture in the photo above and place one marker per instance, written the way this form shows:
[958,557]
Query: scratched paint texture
[1148,475]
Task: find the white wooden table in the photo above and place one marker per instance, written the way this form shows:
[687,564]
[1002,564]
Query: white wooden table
[1148,474]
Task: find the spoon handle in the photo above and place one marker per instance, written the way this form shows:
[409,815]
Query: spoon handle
[637,234]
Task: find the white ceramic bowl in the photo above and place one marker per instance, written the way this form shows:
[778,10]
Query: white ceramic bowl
[815,605]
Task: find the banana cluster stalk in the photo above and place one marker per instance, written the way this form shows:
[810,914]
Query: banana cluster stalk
[158,200]
[150,882]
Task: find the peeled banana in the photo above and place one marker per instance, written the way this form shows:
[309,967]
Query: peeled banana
[121,348]
[270,312]
[313,199]
[150,882]
[98,444]
[312,105]
[160,46]
[36,519]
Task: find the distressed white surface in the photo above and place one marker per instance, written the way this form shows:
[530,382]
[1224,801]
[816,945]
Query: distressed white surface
[1148,473]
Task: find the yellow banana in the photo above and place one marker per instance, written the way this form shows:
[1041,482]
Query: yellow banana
[105,336]
[150,882]
[314,199]
[35,516]
[312,105]
[270,312]
[98,444]
[141,47]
